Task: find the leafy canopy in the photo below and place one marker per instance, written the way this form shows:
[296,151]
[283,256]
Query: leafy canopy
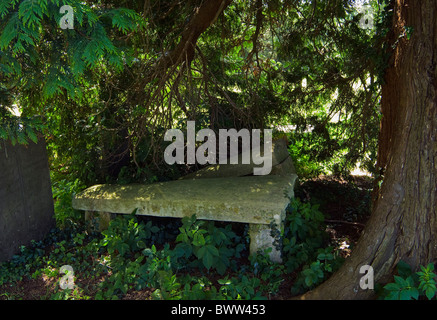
[108,88]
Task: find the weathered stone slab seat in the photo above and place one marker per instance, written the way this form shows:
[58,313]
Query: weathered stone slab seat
[257,200]
[251,199]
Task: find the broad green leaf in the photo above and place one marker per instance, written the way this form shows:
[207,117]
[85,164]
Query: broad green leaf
[207,254]
[430,292]
[408,294]
[404,270]
[308,281]
[392,287]
[198,239]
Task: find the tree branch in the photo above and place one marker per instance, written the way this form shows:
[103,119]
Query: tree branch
[204,16]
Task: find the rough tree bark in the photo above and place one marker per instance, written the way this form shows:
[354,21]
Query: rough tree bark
[403,223]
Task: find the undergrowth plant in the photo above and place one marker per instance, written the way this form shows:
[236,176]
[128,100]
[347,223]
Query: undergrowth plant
[63,191]
[200,243]
[304,244]
[409,285]
[126,236]
[202,261]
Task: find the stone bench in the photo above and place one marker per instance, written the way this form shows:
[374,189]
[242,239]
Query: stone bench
[259,201]
[217,192]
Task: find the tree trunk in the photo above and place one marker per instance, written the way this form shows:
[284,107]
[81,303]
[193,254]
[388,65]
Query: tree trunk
[403,221]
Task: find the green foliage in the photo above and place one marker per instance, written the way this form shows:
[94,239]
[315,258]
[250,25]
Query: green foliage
[125,20]
[69,246]
[427,283]
[107,92]
[20,130]
[47,71]
[303,246]
[70,294]
[63,192]
[27,22]
[126,236]
[158,261]
[199,289]
[316,272]
[271,274]
[107,82]
[169,287]
[411,286]
[130,256]
[300,151]
[328,135]
[211,246]
[303,233]
[238,288]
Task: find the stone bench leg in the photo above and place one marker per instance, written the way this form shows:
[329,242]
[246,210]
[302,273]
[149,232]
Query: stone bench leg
[261,238]
[99,220]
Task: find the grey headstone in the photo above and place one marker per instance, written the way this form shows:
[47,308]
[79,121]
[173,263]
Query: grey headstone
[26,200]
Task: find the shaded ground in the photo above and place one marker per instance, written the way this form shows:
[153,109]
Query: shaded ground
[346,205]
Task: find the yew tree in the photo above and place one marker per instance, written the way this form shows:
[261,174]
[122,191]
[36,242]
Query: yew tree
[127,72]
[110,87]
[403,223]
